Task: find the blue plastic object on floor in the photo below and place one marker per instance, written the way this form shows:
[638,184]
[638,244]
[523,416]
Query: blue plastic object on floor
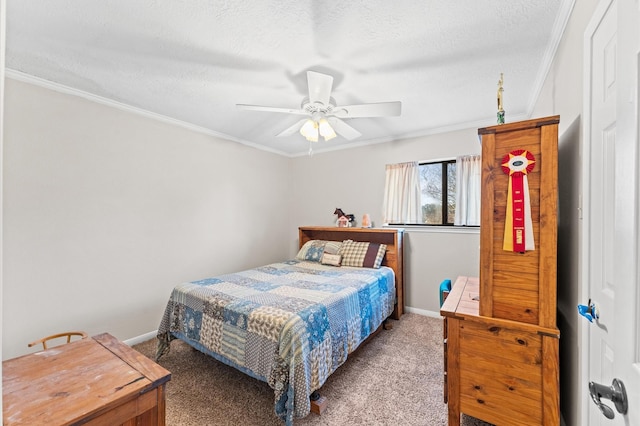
[445,286]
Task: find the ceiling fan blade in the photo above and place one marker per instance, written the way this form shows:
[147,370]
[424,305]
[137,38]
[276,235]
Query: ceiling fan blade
[319,87]
[343,129]
[293,129]
[379,109]
[271,109]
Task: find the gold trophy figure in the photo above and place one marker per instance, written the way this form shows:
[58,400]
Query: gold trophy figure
[500,108]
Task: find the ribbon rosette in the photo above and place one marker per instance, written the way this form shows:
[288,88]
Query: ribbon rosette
[518,228]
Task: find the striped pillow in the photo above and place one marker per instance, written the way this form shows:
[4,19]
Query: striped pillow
[362,254]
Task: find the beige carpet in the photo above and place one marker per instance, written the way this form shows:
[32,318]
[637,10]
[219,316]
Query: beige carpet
[395,379]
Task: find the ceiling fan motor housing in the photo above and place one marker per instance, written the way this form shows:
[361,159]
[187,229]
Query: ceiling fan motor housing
[313,107]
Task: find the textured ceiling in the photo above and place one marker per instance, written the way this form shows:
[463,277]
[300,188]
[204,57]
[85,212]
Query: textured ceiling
[193,61]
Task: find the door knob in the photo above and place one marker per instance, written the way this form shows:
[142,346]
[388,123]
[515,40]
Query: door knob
[589,311]
[616,393]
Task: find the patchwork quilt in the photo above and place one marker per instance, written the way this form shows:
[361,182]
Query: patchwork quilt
[290,324]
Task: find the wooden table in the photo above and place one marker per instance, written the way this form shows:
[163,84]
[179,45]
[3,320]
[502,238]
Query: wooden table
[95,381]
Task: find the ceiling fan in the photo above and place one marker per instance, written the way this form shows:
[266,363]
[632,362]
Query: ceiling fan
[325,116]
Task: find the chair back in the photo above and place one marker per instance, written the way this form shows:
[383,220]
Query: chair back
[67,334]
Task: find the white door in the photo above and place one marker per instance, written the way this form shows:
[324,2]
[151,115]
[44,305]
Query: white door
[610,243]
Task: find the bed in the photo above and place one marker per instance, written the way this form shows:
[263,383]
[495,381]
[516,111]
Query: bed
[293,323]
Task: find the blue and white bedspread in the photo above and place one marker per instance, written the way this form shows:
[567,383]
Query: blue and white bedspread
[290,324]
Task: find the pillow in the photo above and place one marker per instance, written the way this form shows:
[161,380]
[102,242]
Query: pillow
[332,247]
[362,254]
[331,259]
[313,250]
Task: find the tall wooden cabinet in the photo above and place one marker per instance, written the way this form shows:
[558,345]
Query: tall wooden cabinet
[501,338]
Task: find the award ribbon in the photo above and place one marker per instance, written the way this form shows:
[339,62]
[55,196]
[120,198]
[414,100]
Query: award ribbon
[518,227]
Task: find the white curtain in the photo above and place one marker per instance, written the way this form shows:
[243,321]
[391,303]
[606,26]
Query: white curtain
[402,199]
[468,181]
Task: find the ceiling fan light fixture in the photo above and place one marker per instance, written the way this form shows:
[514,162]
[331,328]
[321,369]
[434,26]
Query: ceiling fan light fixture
[310,130]
[326,130]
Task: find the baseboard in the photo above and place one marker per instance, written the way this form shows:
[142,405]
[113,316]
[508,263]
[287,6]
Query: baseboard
[423,312]
[141,338]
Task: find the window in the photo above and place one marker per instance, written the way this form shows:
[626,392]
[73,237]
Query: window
[438,190]
[444,193]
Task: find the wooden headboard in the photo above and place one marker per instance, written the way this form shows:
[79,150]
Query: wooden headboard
[391,237]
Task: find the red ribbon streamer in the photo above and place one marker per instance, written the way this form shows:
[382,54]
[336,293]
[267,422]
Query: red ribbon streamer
[517,199]
[517,164]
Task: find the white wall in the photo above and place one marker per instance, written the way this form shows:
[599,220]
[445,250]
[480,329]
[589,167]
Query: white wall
[3,15]
[354,180]
[563,94]
[105,211]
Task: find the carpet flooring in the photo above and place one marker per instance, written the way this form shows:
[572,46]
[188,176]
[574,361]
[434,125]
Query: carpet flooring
[394,379]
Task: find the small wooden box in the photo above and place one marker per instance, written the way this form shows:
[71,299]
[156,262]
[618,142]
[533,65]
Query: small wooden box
[520,286]
[95,382]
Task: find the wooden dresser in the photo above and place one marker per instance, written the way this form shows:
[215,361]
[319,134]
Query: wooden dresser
[95,381]
[501,339]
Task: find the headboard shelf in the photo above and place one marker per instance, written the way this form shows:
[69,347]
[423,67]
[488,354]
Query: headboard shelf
[392,237]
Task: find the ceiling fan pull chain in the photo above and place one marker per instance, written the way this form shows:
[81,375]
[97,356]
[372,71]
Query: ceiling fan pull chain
[310,149]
